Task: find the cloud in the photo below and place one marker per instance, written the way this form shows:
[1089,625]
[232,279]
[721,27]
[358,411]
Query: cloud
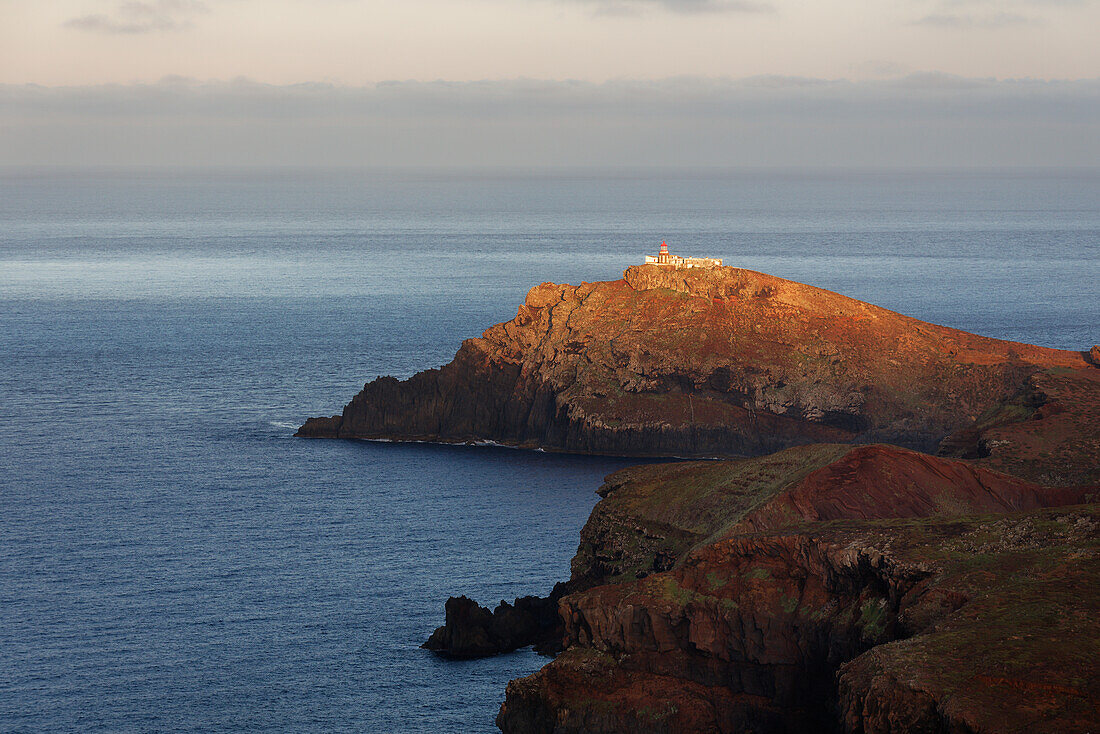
[926,119]
[994,14]
[993,21]
[1028,3]
[137,17]
[684,7]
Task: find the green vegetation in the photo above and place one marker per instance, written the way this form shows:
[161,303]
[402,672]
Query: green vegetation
[872,618]
[665,510]
[672,590]
[715,581]
[658,714]
[706,497]
[1013,411]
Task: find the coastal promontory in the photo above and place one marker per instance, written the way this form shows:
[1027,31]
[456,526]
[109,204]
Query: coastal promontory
[705,362]
[907,541]
[826,588]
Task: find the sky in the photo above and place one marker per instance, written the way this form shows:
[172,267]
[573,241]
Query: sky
[550,82]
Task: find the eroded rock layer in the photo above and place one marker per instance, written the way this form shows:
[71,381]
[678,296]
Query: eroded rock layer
[826,588]
[701,362]
[1048,432]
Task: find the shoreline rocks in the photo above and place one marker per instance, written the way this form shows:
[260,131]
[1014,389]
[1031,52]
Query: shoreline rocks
[472,631]
[851,597]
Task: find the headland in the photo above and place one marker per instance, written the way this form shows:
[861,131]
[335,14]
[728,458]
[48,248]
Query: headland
[910,545]
[712,362]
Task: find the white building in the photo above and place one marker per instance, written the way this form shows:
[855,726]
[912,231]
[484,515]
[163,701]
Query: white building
[664,259]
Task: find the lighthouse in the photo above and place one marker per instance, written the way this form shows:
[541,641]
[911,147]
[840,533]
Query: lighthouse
[665,258]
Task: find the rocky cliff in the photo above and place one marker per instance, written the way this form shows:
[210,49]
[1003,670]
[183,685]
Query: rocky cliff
[1047,432]
[826,588]
[651,515]
[837,584]
[702,362]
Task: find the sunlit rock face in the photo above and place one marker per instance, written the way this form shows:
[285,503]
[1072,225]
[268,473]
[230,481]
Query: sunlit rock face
[844,579]
[700,362]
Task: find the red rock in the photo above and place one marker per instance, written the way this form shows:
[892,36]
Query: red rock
[871,482]
[1049,432]
[861,594]
[654,365]
[825,587]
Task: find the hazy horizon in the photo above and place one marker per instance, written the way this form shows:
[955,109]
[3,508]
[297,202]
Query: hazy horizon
[956,84]
[550,83]
[549,171]
[915,121]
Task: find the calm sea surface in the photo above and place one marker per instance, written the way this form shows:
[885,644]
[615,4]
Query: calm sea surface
[171,560]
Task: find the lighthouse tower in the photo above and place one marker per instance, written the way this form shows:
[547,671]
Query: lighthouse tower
[664,258]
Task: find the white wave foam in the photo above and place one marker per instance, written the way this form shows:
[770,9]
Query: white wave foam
[283,424]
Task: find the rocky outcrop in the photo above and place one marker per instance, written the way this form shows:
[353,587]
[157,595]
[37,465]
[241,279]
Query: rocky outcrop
[700,362]
[833,585]
[1047,432]
[940,626]
[472,631]
[651,515]
[829,588]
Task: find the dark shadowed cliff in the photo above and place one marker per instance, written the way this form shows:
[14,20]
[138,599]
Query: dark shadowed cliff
[826,588]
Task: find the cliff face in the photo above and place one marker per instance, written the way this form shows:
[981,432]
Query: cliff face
[699,362]
[652,515]
[834,585]
[1047,432]
[827,588]
[975,625]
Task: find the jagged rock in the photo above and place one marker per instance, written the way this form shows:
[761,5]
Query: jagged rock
[472,631]
[825,588]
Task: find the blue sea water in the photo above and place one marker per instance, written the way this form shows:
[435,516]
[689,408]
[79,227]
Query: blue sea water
[172,560]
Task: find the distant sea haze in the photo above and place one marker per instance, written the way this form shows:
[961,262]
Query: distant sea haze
[171,559]
[919,120]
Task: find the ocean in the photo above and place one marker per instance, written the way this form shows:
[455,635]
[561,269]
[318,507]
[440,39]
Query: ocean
[171,559]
